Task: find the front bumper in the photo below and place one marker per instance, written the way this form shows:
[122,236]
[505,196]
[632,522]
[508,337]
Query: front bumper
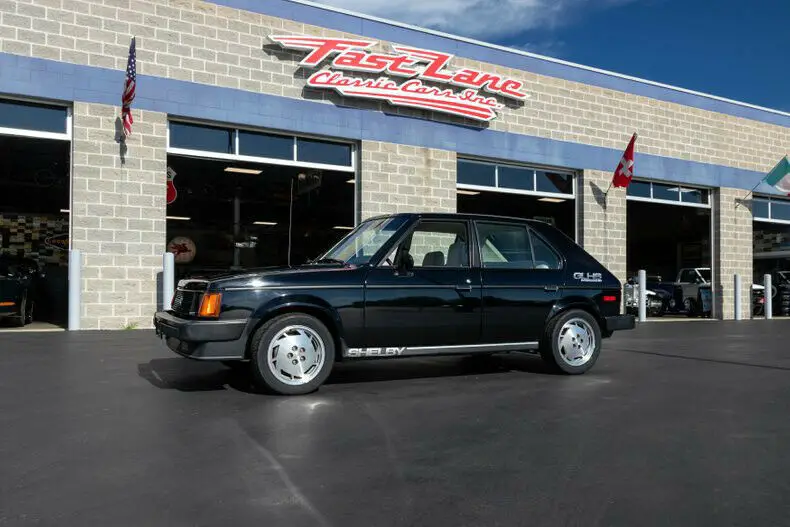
[620,322]
[201,339]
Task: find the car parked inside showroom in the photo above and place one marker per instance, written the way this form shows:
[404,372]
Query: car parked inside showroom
[404,285]
[19,282]
[657,299]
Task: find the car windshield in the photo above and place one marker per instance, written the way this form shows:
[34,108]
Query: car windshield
[365,241]
[784,276]
[705,274]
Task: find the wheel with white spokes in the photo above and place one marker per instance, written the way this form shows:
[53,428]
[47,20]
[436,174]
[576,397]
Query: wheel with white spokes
[572,342]
[292,354]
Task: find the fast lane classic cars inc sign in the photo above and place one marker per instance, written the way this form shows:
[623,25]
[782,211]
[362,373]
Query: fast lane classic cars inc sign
[417,66]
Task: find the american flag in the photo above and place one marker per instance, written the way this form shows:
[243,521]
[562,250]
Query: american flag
[129,90]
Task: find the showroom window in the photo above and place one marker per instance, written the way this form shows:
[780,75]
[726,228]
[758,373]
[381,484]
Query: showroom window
[29,119]
[522,191]
[768,209]
[35,141]
[247,145]
[669,193]
[242,198]
[504,177]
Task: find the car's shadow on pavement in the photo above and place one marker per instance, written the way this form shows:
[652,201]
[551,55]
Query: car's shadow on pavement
[192,376]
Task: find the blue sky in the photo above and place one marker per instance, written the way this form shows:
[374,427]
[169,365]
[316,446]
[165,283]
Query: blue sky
[732,48]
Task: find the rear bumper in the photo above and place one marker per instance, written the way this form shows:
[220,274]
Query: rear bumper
[201,339]
[620,322]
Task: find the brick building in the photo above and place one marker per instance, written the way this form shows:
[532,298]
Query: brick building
[254,139]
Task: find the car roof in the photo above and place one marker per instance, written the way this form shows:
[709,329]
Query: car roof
[453,216]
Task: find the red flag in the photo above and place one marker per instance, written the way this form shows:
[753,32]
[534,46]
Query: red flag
[625,170]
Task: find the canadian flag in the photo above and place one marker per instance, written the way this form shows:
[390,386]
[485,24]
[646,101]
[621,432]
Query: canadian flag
[625,170]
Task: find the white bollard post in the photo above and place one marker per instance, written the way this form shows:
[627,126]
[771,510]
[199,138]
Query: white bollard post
[738,314]
[75,289]
[642,295]
[768,306]
[168,279]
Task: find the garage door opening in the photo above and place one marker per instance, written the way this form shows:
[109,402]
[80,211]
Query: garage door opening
[239,212]
[771,252]
[34,215]
[669,236]
[517,191]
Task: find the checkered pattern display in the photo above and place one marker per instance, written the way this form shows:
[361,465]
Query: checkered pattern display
[24,235]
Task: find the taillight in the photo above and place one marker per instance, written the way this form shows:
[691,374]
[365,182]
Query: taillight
[610,298]
[210,305]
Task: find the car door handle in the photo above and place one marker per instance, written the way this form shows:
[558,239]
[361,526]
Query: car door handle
[551,288]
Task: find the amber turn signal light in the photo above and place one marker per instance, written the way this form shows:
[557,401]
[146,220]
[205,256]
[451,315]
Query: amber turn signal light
[210,305]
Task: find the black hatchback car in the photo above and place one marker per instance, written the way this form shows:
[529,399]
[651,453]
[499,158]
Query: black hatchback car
[403,285]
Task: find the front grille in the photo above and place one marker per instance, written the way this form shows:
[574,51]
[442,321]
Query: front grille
[186,302]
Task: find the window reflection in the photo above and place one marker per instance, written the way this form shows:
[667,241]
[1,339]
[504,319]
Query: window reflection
[516,177]
[666,192]
[639,189]
[29,116]
[693,195]
[780,210]
[195,137]
[553,182]
[314,151]
[760,208]
[266,145]
[476,174]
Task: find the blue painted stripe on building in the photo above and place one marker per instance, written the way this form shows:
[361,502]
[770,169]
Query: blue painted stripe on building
[392,33]
[25,76]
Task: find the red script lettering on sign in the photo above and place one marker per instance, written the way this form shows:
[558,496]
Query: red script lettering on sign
[416,64]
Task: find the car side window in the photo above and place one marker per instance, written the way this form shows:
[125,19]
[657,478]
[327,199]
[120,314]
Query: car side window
[545,256]
[505,246]
[439,244]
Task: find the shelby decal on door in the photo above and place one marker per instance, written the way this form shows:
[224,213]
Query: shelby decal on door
[375,352]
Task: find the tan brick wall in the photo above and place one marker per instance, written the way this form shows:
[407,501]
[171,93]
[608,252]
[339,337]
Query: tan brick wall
[201,42]
[399,178]
[733,247]
[118,214]
[602,217]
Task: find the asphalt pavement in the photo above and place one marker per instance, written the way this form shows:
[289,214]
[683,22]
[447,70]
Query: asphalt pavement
[679,424]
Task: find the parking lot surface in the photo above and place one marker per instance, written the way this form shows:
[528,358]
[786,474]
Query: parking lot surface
[679,423]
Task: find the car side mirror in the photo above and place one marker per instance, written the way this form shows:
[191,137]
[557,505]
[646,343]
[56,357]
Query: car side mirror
[404,262]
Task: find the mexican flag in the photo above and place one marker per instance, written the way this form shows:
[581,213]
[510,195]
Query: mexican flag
[779,176]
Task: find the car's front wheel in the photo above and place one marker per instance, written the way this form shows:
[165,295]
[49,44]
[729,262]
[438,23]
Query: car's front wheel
[572,342]
[292,354]
[20,320]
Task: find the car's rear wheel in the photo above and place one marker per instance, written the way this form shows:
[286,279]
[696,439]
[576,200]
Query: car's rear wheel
[292,354]
[572,342]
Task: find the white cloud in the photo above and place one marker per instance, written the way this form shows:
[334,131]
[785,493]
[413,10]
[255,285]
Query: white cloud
[483,19]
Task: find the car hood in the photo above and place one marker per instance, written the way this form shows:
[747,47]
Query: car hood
[280,275]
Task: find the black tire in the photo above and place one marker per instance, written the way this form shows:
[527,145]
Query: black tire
[263,376]
[29,313]
[20,319]
[550,349]
[691,310]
